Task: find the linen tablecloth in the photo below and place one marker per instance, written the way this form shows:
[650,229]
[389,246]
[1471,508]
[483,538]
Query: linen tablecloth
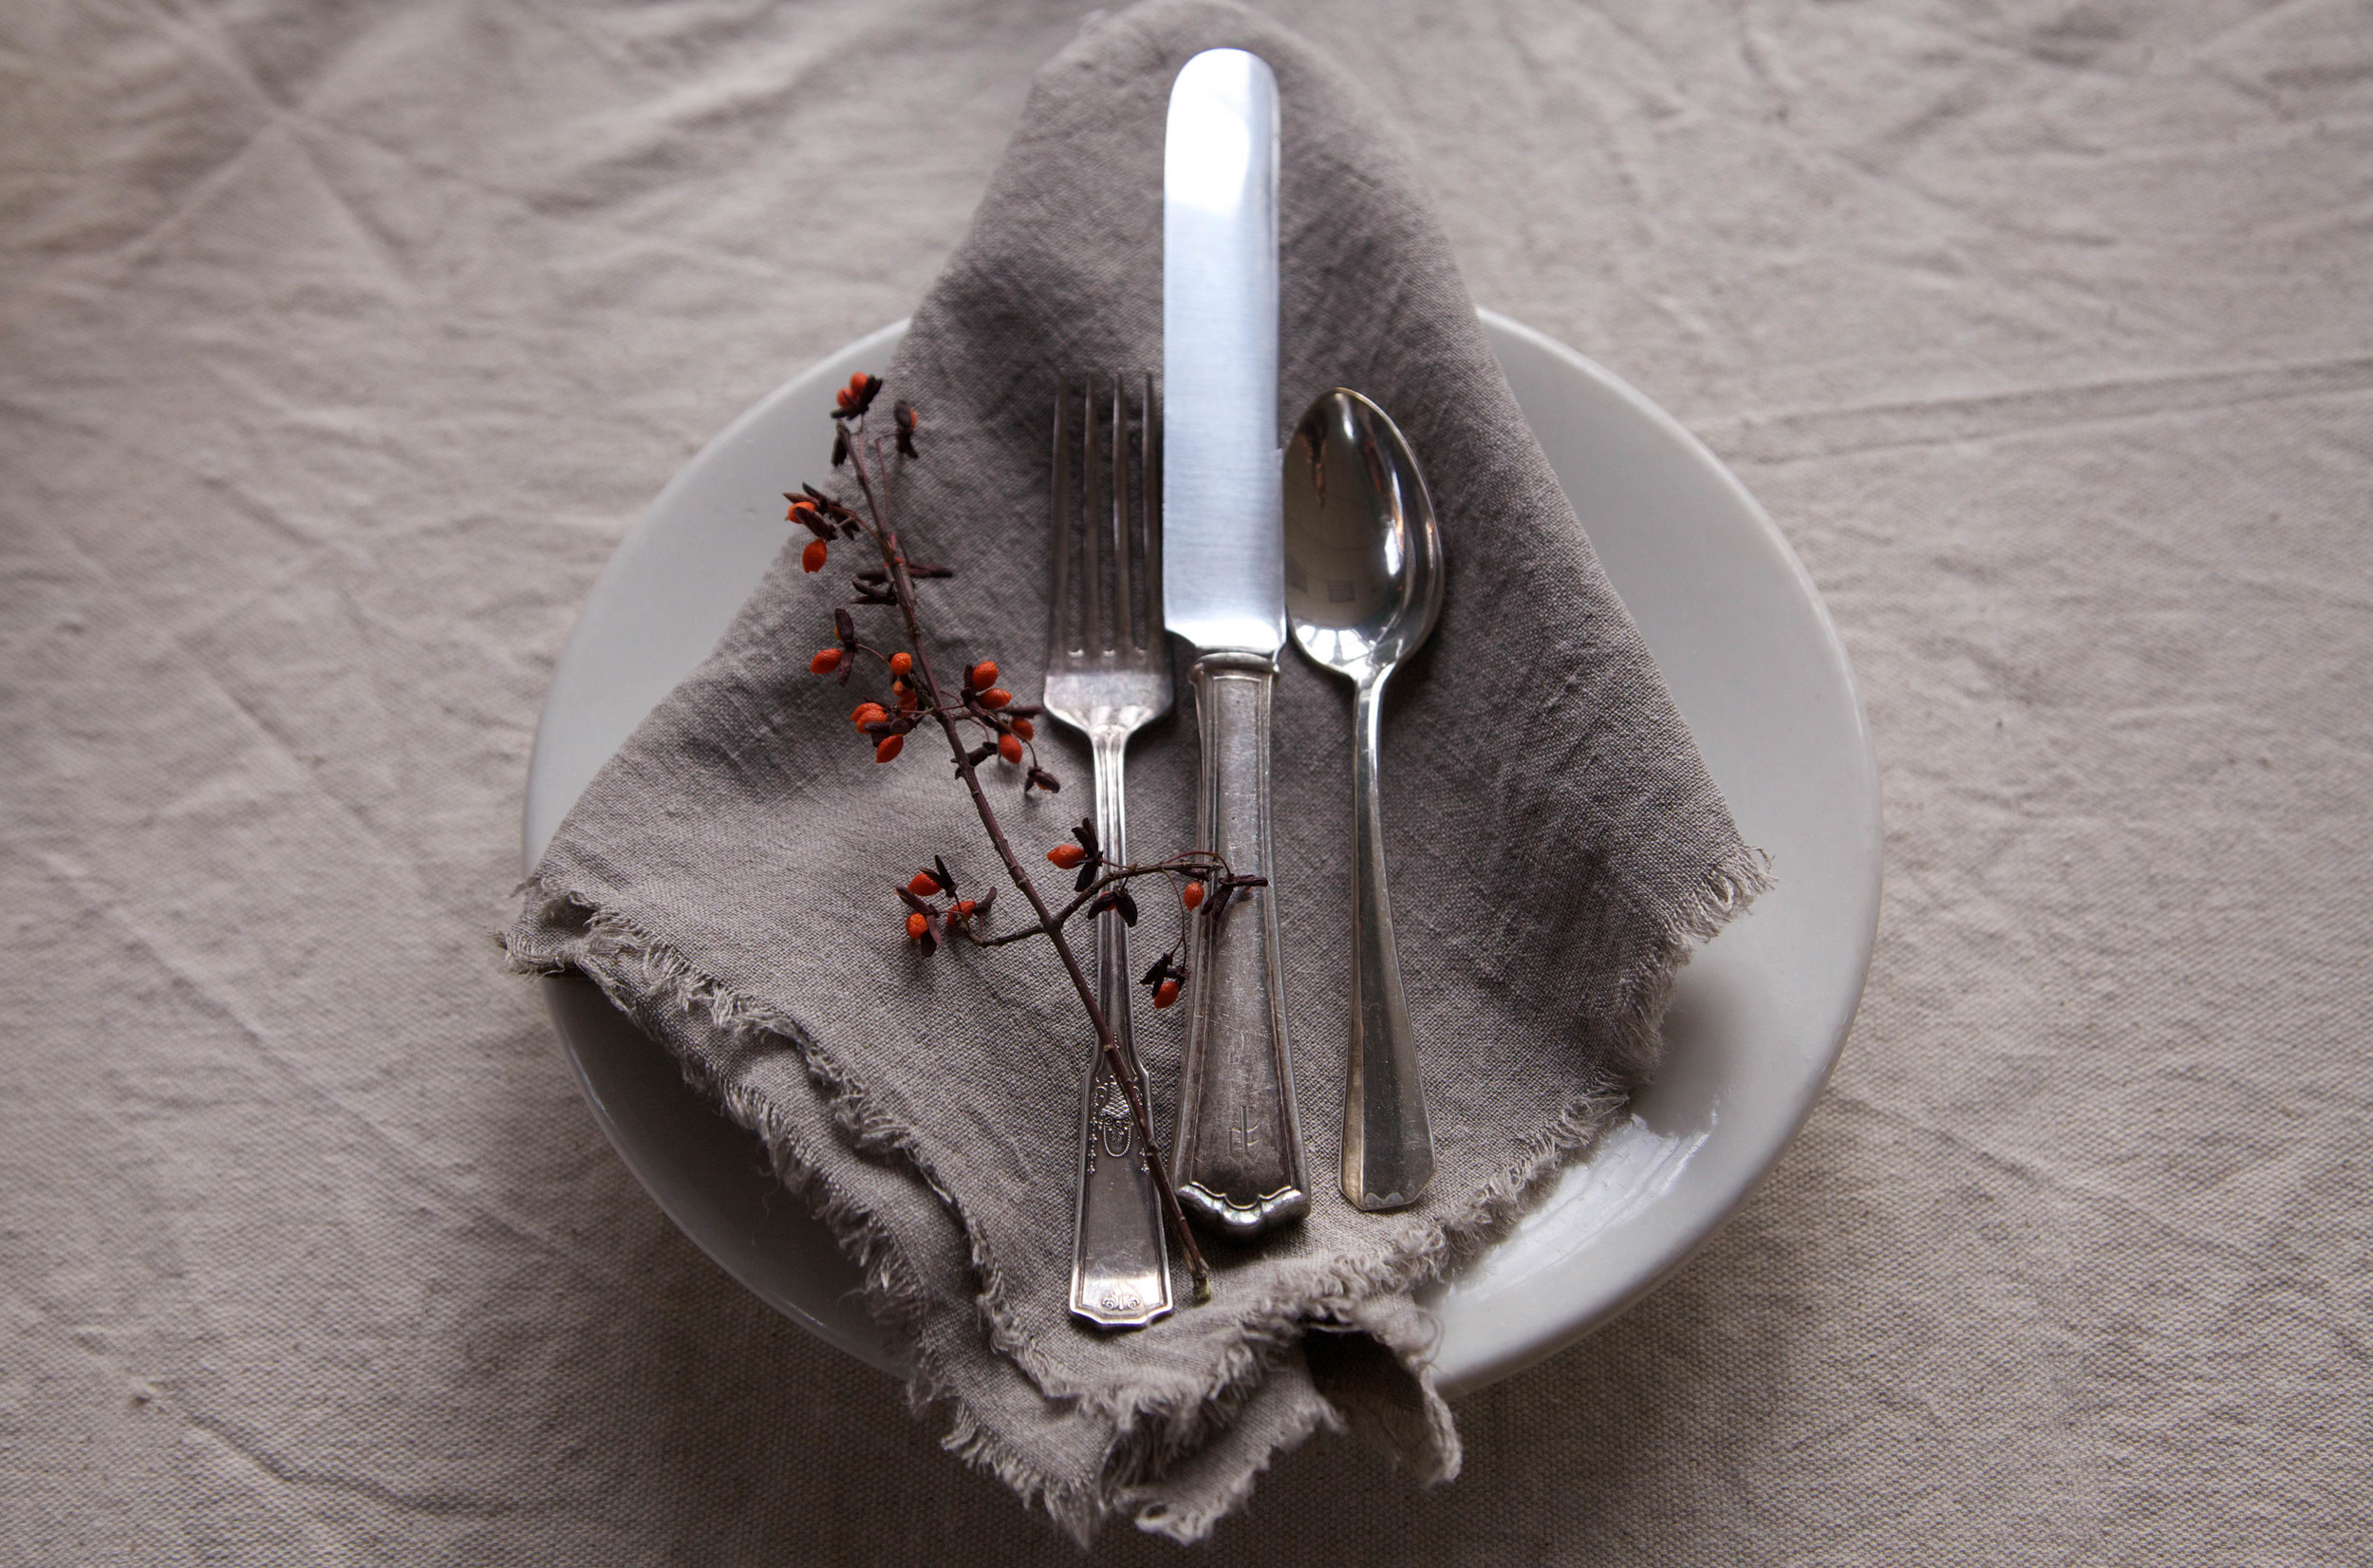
[339,345]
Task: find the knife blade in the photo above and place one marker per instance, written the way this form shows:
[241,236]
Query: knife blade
[1239,1164]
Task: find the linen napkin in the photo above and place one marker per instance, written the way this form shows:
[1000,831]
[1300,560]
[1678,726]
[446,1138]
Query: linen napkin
[1557,846]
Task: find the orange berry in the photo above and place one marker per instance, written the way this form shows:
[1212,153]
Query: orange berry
[1193,895]
[826,662]
[916,925]
[1166,993]
[923,885]
[1010,748]
[965,907]
[908,699]
[983,674]
[891,745]
[1068,856]
[868,713]
[996,696]
[1023,728]
[902,664]
[812,557]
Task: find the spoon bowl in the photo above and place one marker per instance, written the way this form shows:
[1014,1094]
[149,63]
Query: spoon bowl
[1363,553]
[1363,587]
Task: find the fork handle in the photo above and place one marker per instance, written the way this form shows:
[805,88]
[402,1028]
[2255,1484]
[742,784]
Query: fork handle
[1120,1273]
[1240,1144]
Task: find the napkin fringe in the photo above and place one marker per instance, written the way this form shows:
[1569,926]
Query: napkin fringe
[1721,895]
[1156,1426]
[592,940]
[1157,1431]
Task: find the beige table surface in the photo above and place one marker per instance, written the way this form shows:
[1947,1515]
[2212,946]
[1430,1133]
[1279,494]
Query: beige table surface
[339,344]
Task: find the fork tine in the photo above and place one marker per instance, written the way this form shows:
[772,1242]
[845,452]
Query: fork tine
[1091,528]
[1106,482]
[1124,602]
[1150,635]
[1059,619]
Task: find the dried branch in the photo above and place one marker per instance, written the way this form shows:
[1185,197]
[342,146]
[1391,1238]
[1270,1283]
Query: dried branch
[981,720]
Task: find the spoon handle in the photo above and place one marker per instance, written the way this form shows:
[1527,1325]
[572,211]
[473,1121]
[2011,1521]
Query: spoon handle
[1388,1145]
[1240,1145]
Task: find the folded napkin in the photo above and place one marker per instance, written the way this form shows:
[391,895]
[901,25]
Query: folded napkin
[1557,846]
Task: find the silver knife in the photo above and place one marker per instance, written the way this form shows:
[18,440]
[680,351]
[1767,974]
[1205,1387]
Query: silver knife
[1239,1165]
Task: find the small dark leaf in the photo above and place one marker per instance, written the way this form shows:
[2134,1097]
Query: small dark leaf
[874,577]
[1087,875]
[1039,778]
[906,896]
[981,753]
[929,941]
[1086,833]
[938,869]
[1161,970]
[981,904]
[1022,710]
[840,445]
[846,626]
[1125,905]
[923,570]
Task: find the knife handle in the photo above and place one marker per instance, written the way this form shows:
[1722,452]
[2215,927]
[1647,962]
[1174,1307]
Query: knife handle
[1240,1143]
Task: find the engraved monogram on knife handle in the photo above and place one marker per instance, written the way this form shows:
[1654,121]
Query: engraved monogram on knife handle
[1240,1147]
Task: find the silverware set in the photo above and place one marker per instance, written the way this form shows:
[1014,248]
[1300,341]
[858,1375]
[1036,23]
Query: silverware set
[1172,510]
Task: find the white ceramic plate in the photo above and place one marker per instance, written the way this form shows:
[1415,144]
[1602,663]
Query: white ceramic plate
[1758,1019]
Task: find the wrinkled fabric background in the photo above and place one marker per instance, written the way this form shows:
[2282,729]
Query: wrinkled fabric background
[339,345]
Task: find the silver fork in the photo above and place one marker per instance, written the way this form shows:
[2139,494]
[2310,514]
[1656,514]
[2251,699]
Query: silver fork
[1108,675]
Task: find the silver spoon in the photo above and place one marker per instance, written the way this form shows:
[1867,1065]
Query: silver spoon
[1363,583]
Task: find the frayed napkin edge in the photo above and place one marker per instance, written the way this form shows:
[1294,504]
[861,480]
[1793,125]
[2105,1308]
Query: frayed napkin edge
[1161,1425]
